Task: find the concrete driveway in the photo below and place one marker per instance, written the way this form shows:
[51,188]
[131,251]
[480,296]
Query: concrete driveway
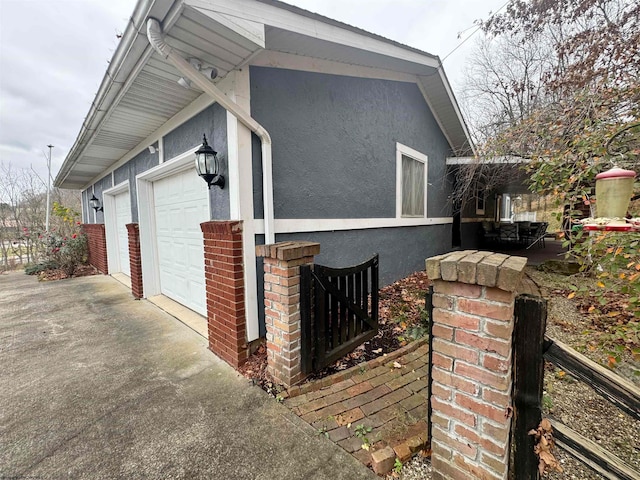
[97,385]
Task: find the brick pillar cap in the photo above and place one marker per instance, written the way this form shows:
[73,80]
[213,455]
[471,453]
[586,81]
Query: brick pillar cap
[288,250]
[221,227]
[478,268]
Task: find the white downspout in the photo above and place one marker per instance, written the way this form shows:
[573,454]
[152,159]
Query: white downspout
[156,39]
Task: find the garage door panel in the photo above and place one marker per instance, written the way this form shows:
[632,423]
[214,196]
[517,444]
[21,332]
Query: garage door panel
[123,217]
[181,205]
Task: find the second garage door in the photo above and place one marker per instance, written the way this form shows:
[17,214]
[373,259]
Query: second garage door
[181,204]
[123,216]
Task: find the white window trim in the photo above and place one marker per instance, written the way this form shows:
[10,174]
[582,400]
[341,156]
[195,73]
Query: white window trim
[420,157]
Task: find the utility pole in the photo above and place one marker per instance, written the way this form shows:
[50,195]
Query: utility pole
[48,187]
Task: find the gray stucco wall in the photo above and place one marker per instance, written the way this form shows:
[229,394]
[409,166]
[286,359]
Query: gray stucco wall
[213,123]
[402,251]
[85,206]
[334,143]
[138,164]
[100,186]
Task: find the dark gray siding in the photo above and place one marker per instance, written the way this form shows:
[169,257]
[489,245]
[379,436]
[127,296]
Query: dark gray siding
[138,164]
[402,251]
[100,186]
[87,218]
[334,143]
[213,123]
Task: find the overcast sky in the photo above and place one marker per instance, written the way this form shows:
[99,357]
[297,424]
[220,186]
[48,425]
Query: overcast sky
[53,55]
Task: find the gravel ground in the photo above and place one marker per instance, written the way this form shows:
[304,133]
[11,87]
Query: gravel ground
[576,404]
[568,400]
[418,468]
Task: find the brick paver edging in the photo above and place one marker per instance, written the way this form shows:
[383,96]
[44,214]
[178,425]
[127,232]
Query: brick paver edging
[355,370]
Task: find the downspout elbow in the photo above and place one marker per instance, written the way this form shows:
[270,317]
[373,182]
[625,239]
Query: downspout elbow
[156,39]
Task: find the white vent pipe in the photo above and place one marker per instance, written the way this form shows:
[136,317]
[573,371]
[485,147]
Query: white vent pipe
[156,39]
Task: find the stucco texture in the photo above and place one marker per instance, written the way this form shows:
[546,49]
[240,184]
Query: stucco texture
[334,143]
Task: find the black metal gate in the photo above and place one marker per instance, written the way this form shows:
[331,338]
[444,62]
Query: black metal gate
[339,311]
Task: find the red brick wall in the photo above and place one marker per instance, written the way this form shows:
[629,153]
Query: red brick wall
[472,363]
[282,263]
[97,241]
[224,277]
[135,262]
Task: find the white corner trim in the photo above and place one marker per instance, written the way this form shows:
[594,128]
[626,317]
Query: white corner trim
[303,225]
[420,157]
[160,150]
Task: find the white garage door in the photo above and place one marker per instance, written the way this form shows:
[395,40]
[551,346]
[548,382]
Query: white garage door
[181,205]
[123,216]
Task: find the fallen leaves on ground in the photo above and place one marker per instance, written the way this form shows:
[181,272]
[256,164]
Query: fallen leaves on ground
[545,444]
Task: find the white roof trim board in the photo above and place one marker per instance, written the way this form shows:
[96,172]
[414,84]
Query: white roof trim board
[139,93]
[509,159]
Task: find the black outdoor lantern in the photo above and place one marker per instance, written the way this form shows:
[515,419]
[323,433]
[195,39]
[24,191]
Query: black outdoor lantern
[95,204]
[207,164]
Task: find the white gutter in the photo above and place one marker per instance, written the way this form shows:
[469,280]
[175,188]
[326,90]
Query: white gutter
[156,39]
[111,85]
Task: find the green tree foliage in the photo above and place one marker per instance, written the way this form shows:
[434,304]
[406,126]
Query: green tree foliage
[592,92]
[586,119]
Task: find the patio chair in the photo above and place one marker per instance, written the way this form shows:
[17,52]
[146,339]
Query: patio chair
[537,235]
[489,234]
[509,233]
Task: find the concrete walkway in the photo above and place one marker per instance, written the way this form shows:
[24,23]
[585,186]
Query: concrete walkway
[96,385]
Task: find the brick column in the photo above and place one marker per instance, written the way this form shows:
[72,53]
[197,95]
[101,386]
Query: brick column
[97,245]
[135,260]
[282,306]
[473,300]
[224,279]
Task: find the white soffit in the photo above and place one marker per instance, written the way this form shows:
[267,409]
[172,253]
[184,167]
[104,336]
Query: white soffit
[438,93]
[285,41]
[152,96]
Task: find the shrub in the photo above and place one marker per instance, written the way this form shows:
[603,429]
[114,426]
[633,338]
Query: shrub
[66,252]
[35,268]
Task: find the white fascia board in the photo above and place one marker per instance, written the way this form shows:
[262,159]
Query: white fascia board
[190,111]
[504,160]
[250,30]
[250,10]
[305,225]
